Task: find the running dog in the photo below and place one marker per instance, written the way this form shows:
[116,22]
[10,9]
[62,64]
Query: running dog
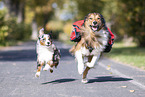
[94,37]
[47,53]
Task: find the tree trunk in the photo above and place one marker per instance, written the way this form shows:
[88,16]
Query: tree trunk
[8,5]
[16,9]
[34,30]
[21,12]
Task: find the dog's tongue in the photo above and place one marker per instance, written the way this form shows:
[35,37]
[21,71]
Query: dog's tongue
[94,28]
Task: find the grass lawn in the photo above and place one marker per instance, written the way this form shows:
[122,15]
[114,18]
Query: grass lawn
[128,54]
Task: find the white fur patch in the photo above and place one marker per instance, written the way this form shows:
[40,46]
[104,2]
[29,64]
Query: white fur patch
[92,63]
[103,39]
[84,52]
[85,80]
[37,74]
[81,65]
[44,53]
[46,67]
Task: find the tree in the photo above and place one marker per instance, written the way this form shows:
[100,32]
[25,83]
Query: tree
[135,17]
[42,11]
[127,18]
[16,9]
[88,6]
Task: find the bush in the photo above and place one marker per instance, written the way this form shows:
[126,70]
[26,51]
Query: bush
[3,27]
[10,30]
[67,29]
[19,31]
[55,27]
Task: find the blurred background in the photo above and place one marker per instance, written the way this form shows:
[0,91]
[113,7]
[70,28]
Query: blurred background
[20,20]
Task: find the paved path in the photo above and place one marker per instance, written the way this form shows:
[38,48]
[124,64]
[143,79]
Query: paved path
[108,79]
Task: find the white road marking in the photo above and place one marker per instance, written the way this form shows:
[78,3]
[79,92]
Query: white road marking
[121,74]
[13,92]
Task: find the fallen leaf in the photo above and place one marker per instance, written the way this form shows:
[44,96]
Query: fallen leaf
[108,68]
[124,86]
[110,73]
[132,91]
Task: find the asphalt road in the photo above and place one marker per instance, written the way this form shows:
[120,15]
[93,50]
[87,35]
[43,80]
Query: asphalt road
[107,79]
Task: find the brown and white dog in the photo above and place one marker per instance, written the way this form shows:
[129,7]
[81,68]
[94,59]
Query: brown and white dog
[94,38]
[47,53]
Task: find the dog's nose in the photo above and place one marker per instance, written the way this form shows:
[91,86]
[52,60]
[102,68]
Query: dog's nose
[94,22]
[48,43]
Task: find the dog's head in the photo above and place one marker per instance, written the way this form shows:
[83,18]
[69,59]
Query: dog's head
[45,39]
[95,21]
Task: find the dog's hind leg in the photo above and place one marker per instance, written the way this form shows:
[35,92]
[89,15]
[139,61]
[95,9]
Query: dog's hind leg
[39,67]
[51,69]
[49,66]
[84,79]
[72,49]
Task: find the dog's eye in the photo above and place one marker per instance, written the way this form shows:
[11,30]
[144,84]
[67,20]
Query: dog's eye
[98,18]
[43,39]
[90,18]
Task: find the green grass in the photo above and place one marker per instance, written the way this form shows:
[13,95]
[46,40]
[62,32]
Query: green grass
[128,54]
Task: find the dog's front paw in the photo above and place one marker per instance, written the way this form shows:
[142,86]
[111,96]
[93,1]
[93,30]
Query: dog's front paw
[89,64]
[37,74]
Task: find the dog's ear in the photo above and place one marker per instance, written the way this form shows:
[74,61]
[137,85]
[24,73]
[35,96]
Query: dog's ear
[50,34]
[86,17]
[102,19]
[41,31]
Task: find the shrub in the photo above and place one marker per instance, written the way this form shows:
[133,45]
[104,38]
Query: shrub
[3,27]
[55,27]
[10,30]
[18,31]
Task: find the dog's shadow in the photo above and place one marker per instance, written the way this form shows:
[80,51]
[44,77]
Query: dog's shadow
[60,81]
[108,79]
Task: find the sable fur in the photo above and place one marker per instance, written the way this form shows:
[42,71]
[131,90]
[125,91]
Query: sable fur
[94,38]
[89,37]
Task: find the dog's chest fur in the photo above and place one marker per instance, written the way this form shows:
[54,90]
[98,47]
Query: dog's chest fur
[102,41]
[44,53]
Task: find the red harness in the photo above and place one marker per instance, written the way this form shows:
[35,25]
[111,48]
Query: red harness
[76,29]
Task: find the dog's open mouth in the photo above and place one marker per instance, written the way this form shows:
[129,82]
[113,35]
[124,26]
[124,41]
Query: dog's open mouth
[48,45]
[94,28]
